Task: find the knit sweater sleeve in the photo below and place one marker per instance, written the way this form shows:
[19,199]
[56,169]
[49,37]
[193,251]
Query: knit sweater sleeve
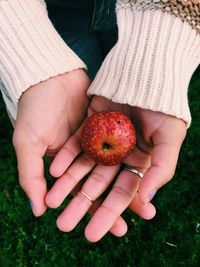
[152,63]
[31,50]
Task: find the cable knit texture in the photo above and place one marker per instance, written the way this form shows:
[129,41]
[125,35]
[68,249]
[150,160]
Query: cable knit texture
[151,64]
[31,50]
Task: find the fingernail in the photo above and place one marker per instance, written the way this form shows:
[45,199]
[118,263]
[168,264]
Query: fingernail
[32,206]
[152,194]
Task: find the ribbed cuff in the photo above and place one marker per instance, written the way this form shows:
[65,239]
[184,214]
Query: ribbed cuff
[152,63]
[31,50]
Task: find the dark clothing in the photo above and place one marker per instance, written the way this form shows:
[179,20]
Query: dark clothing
[88,27]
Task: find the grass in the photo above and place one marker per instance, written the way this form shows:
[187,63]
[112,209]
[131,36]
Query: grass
[171,239]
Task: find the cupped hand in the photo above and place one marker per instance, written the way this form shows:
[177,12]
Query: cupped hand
[159,138]
[49,113]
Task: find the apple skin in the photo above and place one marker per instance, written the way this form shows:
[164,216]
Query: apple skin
[108,137]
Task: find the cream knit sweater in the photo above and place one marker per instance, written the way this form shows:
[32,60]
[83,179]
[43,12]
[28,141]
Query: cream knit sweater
[149,67]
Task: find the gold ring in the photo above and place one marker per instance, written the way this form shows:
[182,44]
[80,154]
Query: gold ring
[86,196]
[133,170]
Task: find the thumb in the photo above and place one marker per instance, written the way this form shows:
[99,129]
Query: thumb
[164,159]
[31,175]
[98,104]
[167,143]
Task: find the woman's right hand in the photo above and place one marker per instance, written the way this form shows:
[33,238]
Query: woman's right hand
[48,114]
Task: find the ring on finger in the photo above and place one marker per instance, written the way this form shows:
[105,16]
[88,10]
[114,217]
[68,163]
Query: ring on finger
[86,196]
[133,170]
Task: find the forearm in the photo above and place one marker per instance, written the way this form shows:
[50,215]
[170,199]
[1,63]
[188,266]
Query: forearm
[31,50]
[152,62]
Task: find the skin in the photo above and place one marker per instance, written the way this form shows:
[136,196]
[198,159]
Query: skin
[41,128]
[159,139]
[48,114]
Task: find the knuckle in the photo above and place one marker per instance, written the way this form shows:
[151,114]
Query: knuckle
[69,151]
[86,160]
[73,179]
[120,191]
[110,210]
[99,178]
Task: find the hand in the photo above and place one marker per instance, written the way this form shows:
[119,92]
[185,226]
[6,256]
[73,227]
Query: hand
[160,136]
[156,153]
[47,116]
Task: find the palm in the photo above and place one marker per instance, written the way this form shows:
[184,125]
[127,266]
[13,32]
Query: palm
[159,138]
[48,114]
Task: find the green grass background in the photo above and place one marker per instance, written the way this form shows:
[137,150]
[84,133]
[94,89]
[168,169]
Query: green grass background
[171,239]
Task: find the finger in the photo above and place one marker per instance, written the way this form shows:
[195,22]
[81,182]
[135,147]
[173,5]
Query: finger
[72,147]
[99,104]
[66,155]
[70,150]
[116,202]
[72,213]
[146,212]
[164,159]
[99,180]
[31,177]
[94,186]
[138,159]
[119,228]
[64,224]
[65,184]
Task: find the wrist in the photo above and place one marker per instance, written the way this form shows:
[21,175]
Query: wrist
[151,65]
[33,51]
[59,85]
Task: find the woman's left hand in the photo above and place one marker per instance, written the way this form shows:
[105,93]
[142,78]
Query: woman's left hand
[159,138]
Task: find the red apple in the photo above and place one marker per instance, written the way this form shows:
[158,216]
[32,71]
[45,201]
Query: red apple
[108,137]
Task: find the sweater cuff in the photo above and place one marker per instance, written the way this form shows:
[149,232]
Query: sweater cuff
[152,63]
[31,50]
